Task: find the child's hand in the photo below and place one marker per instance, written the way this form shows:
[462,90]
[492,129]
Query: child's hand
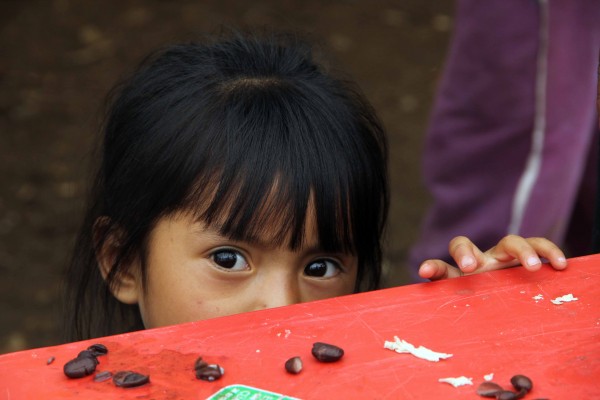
[510,251]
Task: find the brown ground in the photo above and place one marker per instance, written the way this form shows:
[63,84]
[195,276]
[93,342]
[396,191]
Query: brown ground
[60,57]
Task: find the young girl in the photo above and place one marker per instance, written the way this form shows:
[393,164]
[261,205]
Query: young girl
[238,175]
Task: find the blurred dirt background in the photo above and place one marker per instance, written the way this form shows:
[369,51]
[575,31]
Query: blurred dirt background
[58,59]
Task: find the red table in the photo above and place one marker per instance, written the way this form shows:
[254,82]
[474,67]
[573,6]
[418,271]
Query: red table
[491,323]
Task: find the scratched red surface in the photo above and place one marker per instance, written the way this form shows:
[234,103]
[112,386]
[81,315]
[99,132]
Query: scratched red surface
[490,322]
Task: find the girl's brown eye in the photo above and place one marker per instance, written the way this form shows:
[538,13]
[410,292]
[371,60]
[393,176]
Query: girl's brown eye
[230,259]
[322,269]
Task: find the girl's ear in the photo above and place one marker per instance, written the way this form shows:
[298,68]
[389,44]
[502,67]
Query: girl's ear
[126,286]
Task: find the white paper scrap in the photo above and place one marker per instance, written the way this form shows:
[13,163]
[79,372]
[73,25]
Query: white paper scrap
[488,377]
[538,297]
[564,299]
[456,382]
[402,346]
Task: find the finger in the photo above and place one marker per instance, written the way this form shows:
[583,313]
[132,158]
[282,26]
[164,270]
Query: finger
[527,252]
[513,247]
[438,269]
[468,257]
[550,251]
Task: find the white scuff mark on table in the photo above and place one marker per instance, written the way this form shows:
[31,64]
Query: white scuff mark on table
[402,346]
[456,382]
[564,299]
[488,377]
[538,297]
[287,334]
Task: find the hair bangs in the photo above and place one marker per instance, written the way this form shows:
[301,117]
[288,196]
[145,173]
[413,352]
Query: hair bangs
[264,181]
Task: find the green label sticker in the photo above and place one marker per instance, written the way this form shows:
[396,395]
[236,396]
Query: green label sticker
[242,392]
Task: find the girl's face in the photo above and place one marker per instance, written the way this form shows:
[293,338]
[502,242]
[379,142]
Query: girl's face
[194,273]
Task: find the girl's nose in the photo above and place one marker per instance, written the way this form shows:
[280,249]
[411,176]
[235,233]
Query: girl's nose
[278,291]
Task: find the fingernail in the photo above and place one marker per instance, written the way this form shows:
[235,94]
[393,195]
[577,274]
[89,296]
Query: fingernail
[425,266]
[531,261]
[562,259]
[467,261]
[425,271]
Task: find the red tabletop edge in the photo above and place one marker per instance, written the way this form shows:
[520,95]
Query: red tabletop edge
[501,323]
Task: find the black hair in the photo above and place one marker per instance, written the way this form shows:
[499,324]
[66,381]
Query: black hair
[240,130]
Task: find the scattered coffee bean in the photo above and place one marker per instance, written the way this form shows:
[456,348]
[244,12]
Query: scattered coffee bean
[98,349]
[50,360]
[506,395]
[293,365]
[489,389]
[199,364]
[80,366]
[326,352]
[88,354]
[210,372]
[128,379]
[206,371]
[521,382]
[102,376]
[521,394]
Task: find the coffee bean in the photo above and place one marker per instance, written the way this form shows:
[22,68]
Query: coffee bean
[206,371]
[98,349]
[521,394]
[102,376]
[80,367]
[199,364]
[489,389]
[521,382]
[293,365]
[506,395]
[210,372]
[325,352]
[50,360]
[88,354]
[128,379]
